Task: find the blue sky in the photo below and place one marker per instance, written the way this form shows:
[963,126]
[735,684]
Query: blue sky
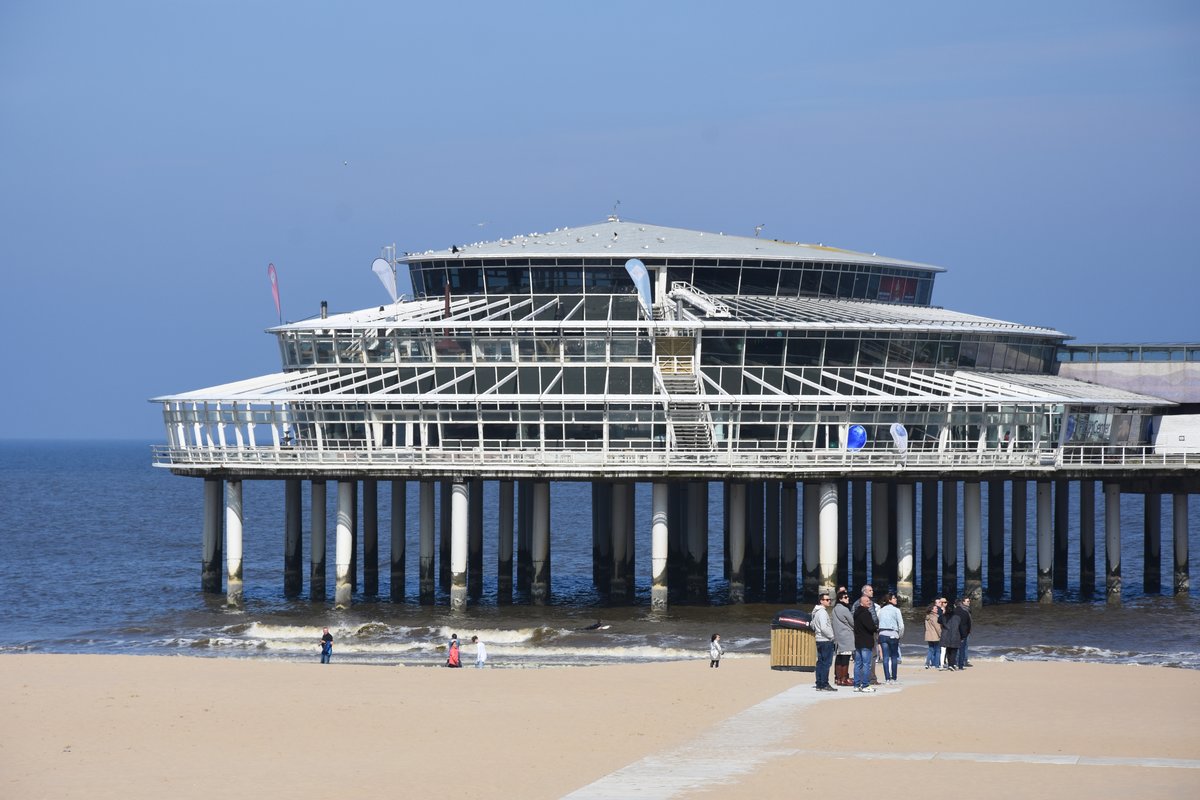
[156,157]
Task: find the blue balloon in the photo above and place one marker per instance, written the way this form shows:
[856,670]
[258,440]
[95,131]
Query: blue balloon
[856,438]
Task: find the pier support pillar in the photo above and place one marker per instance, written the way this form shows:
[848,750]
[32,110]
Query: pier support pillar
[1112,542]
[973,542]
[233,543]
[843,544]
[1062,521]
[445,494]
[211,552]
[1020,502]
[475,539]
[858,539]
[811,568]
[539,582]
[1087,538]
[659,533]
[618,584]
[755,572]
[697,540]
[772,549]
[787,542]
[319,522]
[425,550]
[399,535]
[601,534]
[904,544]
[459,524]
[353,535]
[995,539]
[343,587]
[929,539]
[524,528]
[293,550]
[504,546]
[950,538]
[1045,543]
[370,523]
[880,535]
[1180,523]
[735,513]
[1152,543]
[827,549]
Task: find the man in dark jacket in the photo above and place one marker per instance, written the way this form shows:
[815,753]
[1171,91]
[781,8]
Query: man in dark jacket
[865,628]
[964,630]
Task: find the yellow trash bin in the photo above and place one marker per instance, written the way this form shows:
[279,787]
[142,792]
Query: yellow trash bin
[793,643]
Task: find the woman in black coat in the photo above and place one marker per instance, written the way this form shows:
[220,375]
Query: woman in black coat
[951,638]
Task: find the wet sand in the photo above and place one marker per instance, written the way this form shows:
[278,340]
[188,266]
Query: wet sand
[150,727]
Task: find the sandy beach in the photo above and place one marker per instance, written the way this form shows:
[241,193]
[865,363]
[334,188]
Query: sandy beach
[152,727]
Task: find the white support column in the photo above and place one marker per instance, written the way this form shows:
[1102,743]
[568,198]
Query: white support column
[1182,580]
[459,512]
[233,543]
[827,549]
[539,588]
[427,566]
[316,564]
[904,544]
[343,587]
[1112,542]
[736,516]
[973,542]
[658,546]
[1045,543]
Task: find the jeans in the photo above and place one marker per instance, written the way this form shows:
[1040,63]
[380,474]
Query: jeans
[891,656]
[862,667]
[962,653]
[824,662]
[326,653]
[934,657]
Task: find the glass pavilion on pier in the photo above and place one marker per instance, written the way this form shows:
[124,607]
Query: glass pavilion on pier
[531,358]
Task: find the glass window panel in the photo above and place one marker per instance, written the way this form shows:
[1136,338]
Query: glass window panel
[948,355]
[572,380]
[721,350]
[789,282]
[618,380]
[872,352]
[643,380]
[466,280]
[810,281]
[624,348]
[804,352]
[829,283]
[716,280]
[760,281]
[900,353]
[925,355]
[545,349]
[764,351]
[840,352]
[573,348]
[968,354]
[596,379]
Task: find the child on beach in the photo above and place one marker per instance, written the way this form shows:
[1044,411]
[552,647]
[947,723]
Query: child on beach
[715,651]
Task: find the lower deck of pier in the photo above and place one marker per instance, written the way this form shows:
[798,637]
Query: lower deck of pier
[781,540]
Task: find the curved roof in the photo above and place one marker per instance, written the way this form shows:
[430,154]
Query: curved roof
[615,238]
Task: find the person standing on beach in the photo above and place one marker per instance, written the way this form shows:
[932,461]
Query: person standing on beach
[933,635]
[951,639]
[891,630]
[822,625]
[964,630]
[869,591]
[453,657]
[843,634]
[480,652]
[715,651]
[865,629]
[326,646]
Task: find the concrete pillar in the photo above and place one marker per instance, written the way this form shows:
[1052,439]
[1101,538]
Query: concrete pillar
[676,534]
[1152,543]
[504,547]
[858,543]
[211,552]
[1180,522]
[1045,544]
[1020,495]
[1062,519]
[995,539]
[539,579]
[459,525]
[618,585]
[697,539]
[904,544]
[881,537]
[318,521]
[771,525]
[1087,538]
[929,539]
[293,549]
[843,545]
[950,538]
[659,532]
[444,517]
[475,538]
[735,513]
[524,534]
[233,542]
[787,542]
[370,521]
[353,536]
[601,534]
[972,542]
[755,571]
[343,544]
[827,546]
[399,531]
[811,567]
[426,568]
[1112,542]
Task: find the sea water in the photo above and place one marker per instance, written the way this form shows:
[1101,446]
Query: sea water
[100,553]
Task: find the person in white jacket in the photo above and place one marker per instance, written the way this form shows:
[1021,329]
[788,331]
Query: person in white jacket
[822,626]
[480,652]
[715,651]
[891,629]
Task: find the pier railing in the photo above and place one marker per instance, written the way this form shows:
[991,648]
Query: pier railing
[589,462]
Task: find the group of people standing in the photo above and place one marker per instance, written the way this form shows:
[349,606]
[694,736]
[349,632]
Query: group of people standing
[947,629]
[453,656]
[869,632]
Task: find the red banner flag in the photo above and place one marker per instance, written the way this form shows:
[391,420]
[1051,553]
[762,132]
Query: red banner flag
[275,290]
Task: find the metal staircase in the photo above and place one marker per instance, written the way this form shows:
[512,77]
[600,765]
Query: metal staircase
[689,420]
